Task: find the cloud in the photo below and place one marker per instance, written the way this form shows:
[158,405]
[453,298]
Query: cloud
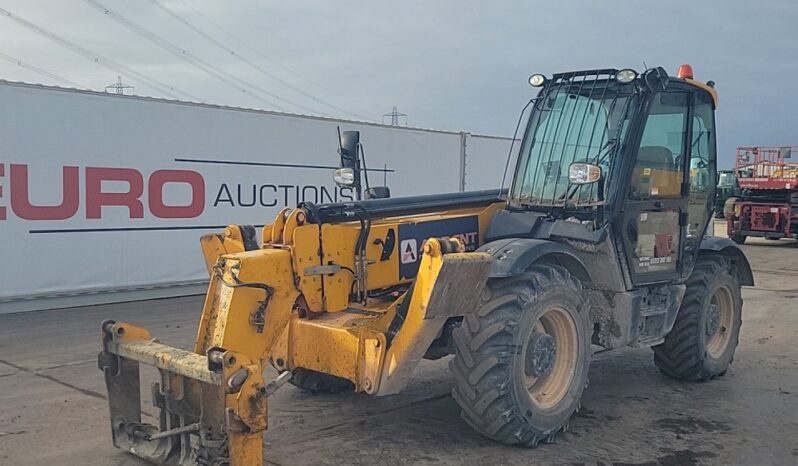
[447,64]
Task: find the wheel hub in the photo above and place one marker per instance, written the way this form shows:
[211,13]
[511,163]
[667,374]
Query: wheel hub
[541,353]
[713,320]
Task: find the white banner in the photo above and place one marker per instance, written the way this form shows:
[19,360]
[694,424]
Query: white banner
[103,192]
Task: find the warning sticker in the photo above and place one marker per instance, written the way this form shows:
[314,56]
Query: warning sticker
[409,250]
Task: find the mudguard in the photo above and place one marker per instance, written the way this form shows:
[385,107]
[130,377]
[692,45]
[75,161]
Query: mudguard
[513,256]
[727,247]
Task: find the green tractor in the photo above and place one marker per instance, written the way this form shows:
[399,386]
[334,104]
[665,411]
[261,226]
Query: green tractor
[726,187]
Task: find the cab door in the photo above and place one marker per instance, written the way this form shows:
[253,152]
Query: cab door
[701,175]
[655,214]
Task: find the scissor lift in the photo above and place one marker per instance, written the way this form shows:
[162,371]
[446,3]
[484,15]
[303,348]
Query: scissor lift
[768,205]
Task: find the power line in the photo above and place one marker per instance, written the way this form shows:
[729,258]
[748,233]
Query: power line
[265,56]
[254,65]
[99,59]
[40,71]
[198,63]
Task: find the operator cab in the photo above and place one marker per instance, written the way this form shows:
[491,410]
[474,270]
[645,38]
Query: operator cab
[618,158]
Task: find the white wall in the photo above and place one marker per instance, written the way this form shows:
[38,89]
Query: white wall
[45,129]
[486,157]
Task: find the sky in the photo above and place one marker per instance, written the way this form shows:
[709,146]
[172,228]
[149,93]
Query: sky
[446,64]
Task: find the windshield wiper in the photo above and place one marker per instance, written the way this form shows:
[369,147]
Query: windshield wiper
[606,149]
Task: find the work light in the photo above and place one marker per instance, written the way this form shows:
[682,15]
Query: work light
[625,76]
[344,176]
[537,80]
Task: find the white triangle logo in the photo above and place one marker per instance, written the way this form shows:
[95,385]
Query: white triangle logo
[409,250]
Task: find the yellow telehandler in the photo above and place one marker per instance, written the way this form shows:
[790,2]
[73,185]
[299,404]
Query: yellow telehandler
[600,240]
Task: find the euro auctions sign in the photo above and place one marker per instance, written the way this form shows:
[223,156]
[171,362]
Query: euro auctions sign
[100,192]
[96,197]
[162,193]
[84,228]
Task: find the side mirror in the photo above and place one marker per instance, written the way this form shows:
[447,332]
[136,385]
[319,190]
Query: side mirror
[348,148]
[583,173]
[378,192]
[656,79]
[348,175]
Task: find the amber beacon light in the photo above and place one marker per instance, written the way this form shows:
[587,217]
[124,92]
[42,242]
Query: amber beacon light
[685,72]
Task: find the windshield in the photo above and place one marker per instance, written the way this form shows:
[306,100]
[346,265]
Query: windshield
[726,179]
[577,119]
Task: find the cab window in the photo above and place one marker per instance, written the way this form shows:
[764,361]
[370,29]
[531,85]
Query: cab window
[702,152]
[657,171]
[702,164]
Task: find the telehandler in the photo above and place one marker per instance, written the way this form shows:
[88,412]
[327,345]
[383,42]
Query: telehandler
[600,240]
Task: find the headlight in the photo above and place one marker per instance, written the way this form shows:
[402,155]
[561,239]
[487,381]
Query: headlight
[344,176]
[583,173]
[625,76]
[537,80]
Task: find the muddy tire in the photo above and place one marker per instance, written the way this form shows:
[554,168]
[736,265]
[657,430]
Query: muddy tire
[319,382]
[701,344]
[521,361]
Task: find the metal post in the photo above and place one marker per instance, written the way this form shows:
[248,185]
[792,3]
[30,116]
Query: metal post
[463,153]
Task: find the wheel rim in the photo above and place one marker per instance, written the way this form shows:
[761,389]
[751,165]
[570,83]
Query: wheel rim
[719,321]
[550,358]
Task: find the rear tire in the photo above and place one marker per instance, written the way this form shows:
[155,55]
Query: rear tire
[319,382]
[701,344]
[522,357]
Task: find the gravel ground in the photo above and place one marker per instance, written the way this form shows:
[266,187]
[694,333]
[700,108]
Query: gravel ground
[53,408]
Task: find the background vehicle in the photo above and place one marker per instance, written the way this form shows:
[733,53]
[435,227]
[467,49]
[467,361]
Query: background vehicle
[600,240]
[726,187]
[767,206]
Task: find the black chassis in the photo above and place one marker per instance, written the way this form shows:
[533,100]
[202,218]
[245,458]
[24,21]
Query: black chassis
[622,313]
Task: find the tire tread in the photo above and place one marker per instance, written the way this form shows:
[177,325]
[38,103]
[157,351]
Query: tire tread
[485,347]
[678,356]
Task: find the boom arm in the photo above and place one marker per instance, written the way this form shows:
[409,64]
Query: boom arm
[259,307]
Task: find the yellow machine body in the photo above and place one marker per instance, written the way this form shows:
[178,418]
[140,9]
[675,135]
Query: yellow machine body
[304,298]
[361,292]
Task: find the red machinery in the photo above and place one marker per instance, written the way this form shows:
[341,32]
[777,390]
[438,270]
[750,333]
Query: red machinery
[768,205]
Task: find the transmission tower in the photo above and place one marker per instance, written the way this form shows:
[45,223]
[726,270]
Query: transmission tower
[119,87]
[396,117]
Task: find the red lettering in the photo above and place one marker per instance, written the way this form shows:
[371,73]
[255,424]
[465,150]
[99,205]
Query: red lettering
[96,198]
[155,193]
[20,200]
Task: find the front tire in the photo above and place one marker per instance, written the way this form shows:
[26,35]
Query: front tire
[704,337]
[522,357]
